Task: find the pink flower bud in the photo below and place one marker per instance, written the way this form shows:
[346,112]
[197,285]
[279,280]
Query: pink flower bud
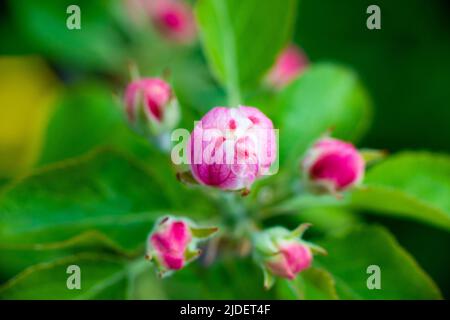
[150,104]
[173,243]
[289,65]
[170,241]
[231,147]
[283,253]
[293,257]
[174,19]
[155,94]
[333,165]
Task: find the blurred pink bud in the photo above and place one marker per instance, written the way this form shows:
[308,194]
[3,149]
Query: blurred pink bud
[333,165]
[153,93]
[174,19]
[169,242]
[292,258]
[291,62]
[231,147]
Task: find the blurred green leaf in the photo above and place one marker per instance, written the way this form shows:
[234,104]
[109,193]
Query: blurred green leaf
[104,191]
[86,116]
[412,185]
[14,258]
[102,277]
[350,254]
[238,40]
[325,97]
[227,278]
[311,284]
[97,45]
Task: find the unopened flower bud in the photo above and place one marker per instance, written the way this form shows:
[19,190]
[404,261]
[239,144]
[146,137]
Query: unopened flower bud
[150,106]
[173,243]
[332,165]
[231,147]
[291,63]
[283,253]
[174,19]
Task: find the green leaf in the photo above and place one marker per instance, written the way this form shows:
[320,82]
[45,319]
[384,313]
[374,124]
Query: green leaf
[325,97]
[239,42]
[412,185]
[16,257]
[104,191]
[102,277]
[226,278]
[97,45]
[352,253]
[85,117]
[311,284]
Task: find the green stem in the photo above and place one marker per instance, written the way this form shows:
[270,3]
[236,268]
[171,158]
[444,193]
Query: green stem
[231,72]
[134,269]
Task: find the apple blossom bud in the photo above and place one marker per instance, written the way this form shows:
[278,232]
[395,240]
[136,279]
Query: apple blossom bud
[231,147]
[150,106]
[173,243]
[174,19]
[291,62]
[333,165]
[282,253]
[292,258]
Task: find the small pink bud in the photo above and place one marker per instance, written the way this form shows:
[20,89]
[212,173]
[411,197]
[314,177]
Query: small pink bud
[291,63]
[173,243]
[283,253]
[231,147]
[150,104]
[293,257]
[174,19]
[170,242]
[333,165]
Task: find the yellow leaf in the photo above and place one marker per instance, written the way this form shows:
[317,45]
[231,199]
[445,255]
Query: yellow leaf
[27,91]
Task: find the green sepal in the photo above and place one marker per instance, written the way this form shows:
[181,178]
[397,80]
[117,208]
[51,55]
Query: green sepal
[315,248]
[203,233]
[300,230]
[269,279]
[371,156]
[191,255]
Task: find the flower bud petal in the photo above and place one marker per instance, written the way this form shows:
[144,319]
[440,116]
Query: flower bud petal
[173,243]
[170,242]
[174,19]
[292,258]
[231,147]
[282,253]
[291,63]
[332,165]
[150,106]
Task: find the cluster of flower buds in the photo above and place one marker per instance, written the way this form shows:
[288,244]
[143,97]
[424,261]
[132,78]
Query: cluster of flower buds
[332,166]
[230,148]
[289,65]
[282,253]
[174,243]
[151,107]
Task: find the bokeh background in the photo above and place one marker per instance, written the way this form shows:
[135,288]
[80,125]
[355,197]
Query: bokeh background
[405,67]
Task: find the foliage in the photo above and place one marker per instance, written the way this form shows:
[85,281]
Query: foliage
[93,194]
